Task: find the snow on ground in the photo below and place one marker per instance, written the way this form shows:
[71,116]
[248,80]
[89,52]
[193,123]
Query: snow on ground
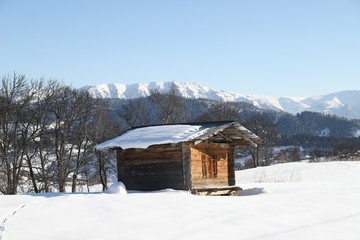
[285,201]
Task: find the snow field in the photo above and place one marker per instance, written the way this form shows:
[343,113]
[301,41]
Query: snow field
[285,201]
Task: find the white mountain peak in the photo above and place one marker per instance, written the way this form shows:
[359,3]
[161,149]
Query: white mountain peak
[344,104]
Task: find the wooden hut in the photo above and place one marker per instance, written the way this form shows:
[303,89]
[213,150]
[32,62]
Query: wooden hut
[193,156]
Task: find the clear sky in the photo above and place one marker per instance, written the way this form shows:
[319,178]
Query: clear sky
[264,47]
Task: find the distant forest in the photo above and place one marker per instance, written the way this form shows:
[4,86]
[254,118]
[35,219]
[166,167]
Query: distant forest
[48,132]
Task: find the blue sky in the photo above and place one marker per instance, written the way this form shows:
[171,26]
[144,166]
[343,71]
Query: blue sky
[275,48]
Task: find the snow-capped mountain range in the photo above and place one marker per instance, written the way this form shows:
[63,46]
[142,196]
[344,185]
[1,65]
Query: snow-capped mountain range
[343,104]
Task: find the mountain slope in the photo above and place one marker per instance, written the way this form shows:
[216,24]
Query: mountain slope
[188,90]
[343,104]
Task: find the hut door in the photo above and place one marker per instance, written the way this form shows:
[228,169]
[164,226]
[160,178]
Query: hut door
[209,166]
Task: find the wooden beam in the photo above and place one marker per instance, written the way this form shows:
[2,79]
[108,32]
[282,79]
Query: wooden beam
[216,191]
[226,138]
[252,143]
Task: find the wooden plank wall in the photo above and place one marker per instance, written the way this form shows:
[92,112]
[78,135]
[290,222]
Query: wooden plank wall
[220,151]
[154,168]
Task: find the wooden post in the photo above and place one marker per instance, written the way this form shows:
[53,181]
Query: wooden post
[256,156]
[118,165]
[231,166]
[186,159]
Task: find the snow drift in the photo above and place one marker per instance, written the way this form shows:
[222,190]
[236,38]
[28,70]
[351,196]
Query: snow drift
[117,188]
[287,201]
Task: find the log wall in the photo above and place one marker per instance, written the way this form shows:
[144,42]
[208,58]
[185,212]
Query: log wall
[183,166]
[153,168]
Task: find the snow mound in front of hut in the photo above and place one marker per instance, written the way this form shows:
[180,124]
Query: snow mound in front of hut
[117,188]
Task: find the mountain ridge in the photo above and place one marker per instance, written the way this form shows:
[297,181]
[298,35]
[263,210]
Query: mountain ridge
[343,104]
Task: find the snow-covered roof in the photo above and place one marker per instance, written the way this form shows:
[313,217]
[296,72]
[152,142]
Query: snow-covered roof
[143,137]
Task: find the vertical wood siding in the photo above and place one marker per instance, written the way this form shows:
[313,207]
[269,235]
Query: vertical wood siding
[217,152]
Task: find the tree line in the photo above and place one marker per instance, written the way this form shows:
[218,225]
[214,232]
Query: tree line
[48,131]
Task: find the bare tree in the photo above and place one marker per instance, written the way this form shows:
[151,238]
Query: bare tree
[41,150]
[169,105]
[135,113]
[15,97]
[105,163]
[81,137]
[221,111]
[42,144]
[264,127]
[31,129]
[73,112]
[47,134]
[64,109]
[294,154]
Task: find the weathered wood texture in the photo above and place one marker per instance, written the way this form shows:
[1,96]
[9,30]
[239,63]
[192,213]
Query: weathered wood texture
[183,166]
[219,154]
[216,191]
[154,168]
[231,166]
[186,158]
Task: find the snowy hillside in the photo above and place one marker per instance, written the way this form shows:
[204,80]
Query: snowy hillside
[287,201]
[343,104]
